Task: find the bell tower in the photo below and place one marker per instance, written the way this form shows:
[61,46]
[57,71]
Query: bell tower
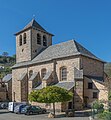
[30,41]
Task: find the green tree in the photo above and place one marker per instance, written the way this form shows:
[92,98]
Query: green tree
[5,54]
[50,94]
[14,56]
[99,106]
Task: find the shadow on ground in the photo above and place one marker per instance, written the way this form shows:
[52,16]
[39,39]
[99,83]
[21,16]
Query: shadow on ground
[3,111]
[77,114]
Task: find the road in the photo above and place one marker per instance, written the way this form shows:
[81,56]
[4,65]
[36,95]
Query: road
[5,115]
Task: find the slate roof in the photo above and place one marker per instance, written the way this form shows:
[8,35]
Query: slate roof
[33,76]
[64,49]
[65,84]
[22,76]
[48,74]
[7,78]
[38,87]
[33,24]
[98,78]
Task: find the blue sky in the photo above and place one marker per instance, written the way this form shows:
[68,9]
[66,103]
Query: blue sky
[86,21]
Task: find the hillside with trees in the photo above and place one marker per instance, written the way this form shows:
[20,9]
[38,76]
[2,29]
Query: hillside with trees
[107,69]
[6,62]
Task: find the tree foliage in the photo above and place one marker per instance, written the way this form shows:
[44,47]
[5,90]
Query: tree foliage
[5,54]
[109,96]
[98,105]
[50,94]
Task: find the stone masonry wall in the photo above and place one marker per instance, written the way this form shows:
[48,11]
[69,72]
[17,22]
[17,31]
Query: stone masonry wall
[98,87]
[36,48]
[23,52]
[9,90]
[69,63]
[3,96]
[92,67]
[16,83]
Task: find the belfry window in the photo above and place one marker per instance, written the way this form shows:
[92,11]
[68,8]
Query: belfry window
[44,41]
[24,38]
[20,40]
[38,39]
[63,73]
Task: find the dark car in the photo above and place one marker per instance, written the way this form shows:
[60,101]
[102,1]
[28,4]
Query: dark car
[18,108]
[31,110]
[4,105]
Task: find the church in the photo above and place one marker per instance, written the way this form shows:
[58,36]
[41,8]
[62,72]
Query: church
[68,65]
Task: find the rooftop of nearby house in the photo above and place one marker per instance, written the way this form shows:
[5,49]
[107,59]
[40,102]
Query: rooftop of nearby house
[7,78]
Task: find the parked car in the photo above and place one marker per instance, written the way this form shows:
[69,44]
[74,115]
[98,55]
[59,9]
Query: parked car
[12,105]
[30,110]
[3,105]
[18,108]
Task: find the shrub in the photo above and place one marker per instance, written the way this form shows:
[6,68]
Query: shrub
[106,115]
[99,106]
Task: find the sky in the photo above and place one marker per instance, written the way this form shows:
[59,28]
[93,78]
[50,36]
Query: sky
[86,21]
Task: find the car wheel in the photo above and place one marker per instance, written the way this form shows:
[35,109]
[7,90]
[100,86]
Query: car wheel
[27,113]
[31,113]
[44,112]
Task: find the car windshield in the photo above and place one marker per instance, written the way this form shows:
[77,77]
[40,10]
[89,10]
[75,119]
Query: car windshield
[17,106]
[26,107]
[38,107]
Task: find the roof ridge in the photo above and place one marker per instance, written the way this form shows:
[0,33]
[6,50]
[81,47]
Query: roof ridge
[61,43]
[76,46]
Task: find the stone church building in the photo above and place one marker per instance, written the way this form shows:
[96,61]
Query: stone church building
[68,65]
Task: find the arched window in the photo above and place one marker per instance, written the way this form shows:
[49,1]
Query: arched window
[38,39]
[44,41]
[20,40]
[63,73]
[30,73]
[24,38]
[43,72]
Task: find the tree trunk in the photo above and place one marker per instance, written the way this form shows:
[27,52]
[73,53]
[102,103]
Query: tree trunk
[54,109]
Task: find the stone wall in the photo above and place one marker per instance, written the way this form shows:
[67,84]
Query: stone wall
[3,96]
[28,51]
[24,89]
[99,87]
[16,83]
[36,48]
[16,73]
[9,89]
[78,94]
[3,93]
[69,63]
[92,67]
[33,83]
[23,52]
